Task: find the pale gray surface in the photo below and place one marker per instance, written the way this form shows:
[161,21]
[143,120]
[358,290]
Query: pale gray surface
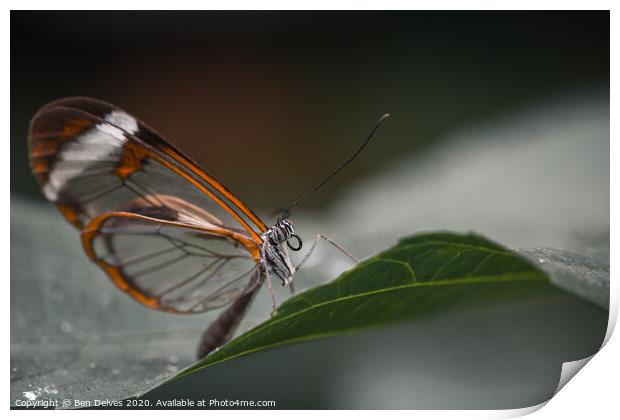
[73,334]
[543,188]
[583,274]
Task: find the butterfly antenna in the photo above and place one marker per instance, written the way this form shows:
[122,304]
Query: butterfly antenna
[340,168]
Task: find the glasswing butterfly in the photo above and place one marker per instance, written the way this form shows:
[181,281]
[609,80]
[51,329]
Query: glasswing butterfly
[165,231]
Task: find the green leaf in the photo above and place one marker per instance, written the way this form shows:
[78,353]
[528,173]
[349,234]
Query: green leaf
[421,274]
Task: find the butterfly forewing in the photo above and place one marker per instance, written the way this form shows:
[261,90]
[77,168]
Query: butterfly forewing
[91,158]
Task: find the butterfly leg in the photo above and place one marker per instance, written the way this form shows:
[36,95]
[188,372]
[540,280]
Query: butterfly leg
[315,242]
[273,297]
[268,278]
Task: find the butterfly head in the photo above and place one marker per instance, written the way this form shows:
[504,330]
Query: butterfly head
[283,231]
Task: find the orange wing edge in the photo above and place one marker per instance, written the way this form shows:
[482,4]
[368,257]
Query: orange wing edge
[115,273]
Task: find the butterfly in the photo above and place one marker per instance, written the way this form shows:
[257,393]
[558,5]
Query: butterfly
[165,232]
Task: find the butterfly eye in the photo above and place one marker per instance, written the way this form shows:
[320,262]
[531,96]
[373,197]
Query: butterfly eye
[299,243]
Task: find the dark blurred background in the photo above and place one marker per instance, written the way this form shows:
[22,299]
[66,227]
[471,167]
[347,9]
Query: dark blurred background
[269,102]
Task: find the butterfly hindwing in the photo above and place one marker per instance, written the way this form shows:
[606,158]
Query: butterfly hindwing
[170,265]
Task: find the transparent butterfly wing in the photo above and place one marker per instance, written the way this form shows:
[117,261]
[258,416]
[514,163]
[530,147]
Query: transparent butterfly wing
[91,157]
[164,230]
[169,265]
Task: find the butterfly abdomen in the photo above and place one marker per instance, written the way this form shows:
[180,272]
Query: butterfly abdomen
[222,329]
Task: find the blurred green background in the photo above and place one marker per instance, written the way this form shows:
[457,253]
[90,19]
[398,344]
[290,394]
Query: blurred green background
[269,102]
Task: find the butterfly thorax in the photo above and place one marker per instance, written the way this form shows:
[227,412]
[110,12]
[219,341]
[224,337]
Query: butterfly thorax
[274,253]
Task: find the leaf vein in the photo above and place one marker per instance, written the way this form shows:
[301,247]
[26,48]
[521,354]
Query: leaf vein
[405,263]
